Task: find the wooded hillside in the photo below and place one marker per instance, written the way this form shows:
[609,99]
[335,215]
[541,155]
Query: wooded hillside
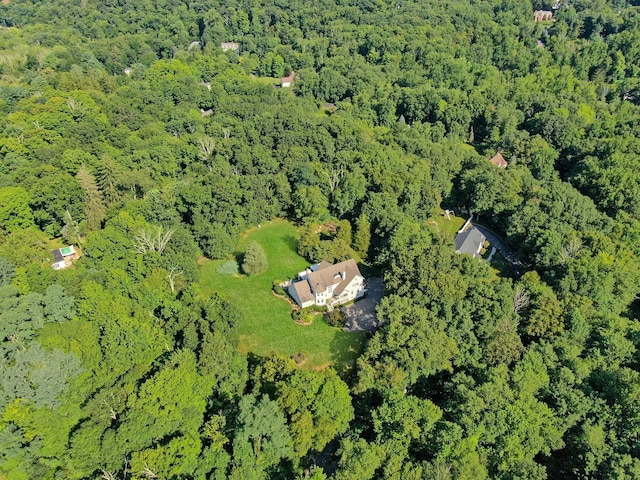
[127,131]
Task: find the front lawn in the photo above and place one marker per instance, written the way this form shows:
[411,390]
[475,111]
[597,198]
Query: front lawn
[266,324]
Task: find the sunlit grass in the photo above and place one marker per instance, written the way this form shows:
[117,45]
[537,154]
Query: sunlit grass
[448,226]
[266,324]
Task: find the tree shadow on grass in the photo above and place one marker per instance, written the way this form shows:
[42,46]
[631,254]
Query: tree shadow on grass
[291,241]
[239,257]
[345,348]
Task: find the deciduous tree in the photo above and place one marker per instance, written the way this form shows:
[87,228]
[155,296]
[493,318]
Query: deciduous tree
[15,213]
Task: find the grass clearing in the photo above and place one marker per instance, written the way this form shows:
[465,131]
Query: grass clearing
[266,326]
[266,80]
[448,226]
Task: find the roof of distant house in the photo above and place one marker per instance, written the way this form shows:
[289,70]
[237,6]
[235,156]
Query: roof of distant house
[469,241]
[288,79]
[230,46]
[542,15]
[498,160]
[60,253]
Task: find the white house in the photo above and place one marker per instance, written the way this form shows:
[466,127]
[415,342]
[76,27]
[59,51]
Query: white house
[226,46]
[327,284]
[63,257]
[285,82]
[542,15]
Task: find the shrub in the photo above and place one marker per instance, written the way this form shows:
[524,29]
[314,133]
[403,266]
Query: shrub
[299,357]
[317,308]
[336,318]
[230,267]
[302,316]
[277,289]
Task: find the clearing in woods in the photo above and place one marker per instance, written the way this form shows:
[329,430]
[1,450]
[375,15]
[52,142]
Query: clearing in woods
[266,325]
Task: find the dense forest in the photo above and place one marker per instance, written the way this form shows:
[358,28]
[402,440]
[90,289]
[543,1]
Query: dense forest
[127,131]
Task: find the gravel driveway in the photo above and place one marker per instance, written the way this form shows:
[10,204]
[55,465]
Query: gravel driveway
[362,314]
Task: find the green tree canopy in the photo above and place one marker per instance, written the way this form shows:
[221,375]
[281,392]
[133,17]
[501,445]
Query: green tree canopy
[254,260]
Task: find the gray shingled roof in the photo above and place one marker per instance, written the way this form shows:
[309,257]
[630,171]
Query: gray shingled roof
[469,241]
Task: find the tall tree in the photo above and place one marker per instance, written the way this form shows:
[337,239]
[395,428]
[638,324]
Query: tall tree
[255,259]
[262,438]
[94,209]
[362,235]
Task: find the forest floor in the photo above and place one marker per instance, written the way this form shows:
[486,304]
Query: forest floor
[266,326]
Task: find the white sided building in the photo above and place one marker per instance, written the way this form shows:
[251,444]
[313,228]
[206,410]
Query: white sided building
[327,284]
[64,257]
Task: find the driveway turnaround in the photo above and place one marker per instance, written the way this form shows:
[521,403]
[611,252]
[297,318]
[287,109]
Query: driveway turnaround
[362,314]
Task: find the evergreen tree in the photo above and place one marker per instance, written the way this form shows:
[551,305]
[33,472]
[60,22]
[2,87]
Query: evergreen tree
[109,179]
[255,259]
[71,229]
[94,209]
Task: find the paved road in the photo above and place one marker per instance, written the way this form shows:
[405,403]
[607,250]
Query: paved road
[505,250]
[361,315]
